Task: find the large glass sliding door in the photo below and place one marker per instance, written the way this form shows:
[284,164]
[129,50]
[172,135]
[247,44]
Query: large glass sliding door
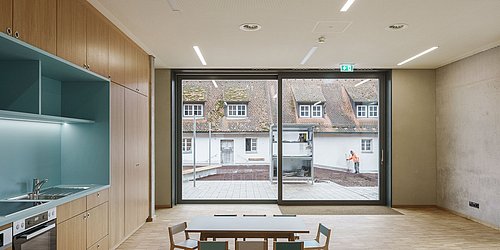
[226,141]
[285,138]
[330,145]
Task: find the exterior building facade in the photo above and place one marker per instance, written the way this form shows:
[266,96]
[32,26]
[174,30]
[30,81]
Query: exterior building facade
[233,120]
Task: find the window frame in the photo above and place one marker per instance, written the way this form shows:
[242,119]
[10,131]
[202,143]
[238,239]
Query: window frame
[369,113]
[308,111]
[366,143]
[365,110]
[185,145]
[253,145]
[320,111]
[192,106]
[237,107]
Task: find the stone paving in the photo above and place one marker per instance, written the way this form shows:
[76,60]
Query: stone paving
[267,190]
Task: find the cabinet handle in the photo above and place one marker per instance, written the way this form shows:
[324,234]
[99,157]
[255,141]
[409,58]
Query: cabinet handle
[109,77]
[88,67]
[98,246]
[88,215]
[98,194]
[9,31]
[84,216]
[16,35]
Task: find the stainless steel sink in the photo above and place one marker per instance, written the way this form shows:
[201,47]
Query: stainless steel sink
[52,193]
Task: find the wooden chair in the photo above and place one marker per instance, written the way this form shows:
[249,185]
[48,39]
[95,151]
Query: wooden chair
[288,245]
[251,245]
[214,245]
[316,243]
[188,243]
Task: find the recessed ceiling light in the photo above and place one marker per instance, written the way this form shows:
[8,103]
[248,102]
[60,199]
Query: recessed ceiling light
[397,27]
[200,56]
[174,5]
[417,56]
[250,27]
[308,55]
[364,81]
[347,5]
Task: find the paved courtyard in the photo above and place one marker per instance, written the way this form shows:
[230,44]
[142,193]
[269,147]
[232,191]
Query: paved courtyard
[266,190]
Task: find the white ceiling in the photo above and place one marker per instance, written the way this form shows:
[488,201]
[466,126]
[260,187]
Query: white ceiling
[459,27]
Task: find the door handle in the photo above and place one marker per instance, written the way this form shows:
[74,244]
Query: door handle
[35,234]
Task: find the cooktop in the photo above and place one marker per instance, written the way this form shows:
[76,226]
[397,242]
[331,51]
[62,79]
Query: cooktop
[10,207]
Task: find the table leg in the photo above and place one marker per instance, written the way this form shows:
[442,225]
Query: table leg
[203,237]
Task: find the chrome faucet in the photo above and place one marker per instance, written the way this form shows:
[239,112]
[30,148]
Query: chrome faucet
[37,185]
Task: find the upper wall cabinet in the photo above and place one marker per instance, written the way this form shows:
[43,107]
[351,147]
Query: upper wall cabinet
[71,31]
[97,42]
[116,56]
[143,73]
[131,65]
[33,22]
[6,16]
[83,36]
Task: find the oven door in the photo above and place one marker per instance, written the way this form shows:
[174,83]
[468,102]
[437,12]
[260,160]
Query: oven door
[42,237]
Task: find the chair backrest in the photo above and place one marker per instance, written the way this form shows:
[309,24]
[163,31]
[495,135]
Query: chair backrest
[175,229]
[322,230]
[251,245]
[285,215]
[254,215]
[288,245]
[226,215]
[213,245]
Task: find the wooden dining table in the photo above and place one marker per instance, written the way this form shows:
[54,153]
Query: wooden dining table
[246,227]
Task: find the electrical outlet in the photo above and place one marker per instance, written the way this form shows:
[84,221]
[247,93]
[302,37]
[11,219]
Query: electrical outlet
[473,204]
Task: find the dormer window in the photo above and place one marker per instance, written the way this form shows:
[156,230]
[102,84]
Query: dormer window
[191,110]
[317,111]
[305,111]
[370,111]
[373,111]
[308,111]
[236,110]
[361,110]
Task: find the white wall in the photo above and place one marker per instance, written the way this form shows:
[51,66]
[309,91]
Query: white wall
[241,157]
[331,151]
[468,132]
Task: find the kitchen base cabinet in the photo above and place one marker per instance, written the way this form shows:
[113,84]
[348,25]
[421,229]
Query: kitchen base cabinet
[97,224]
[100,245]
[71,234]
[85,230]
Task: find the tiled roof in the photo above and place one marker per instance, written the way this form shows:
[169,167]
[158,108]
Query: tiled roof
[306,92]
[257,95]
[339,97]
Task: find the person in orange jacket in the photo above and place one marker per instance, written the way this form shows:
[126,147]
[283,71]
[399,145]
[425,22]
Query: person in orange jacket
[354,159]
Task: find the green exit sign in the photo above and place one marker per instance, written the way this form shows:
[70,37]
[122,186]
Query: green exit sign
[346,67]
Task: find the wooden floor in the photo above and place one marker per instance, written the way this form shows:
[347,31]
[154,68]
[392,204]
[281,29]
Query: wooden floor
[423,228]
